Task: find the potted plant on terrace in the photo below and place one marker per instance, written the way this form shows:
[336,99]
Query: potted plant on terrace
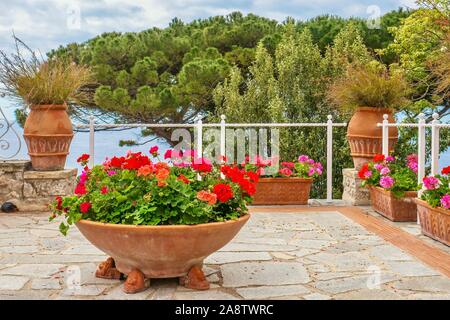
[154,219]
[45,87]
[291,184]
[434,207]
[370,91]
[393,186]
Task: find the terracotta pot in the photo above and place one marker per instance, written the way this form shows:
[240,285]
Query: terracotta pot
[160,251]
[273,191]
[435,222]
[48,133]
[395,209]
[365,138]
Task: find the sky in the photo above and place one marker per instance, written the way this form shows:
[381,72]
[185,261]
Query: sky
[46,24]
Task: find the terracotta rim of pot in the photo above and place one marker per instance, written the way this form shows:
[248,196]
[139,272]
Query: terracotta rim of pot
[62,106]
[426,205]
[376,109]
[283,179]
[408,194]
[163,227]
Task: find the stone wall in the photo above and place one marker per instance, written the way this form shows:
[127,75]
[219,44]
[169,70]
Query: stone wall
[353,193]
[33,190]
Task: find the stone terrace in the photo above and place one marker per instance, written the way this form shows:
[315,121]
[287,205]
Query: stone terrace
[294,253]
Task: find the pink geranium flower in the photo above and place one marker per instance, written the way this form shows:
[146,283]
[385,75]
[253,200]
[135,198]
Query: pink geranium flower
[431,183]
[445,201]
[386,182]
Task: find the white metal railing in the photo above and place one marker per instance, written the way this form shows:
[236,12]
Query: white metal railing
[222,125]
[435,126]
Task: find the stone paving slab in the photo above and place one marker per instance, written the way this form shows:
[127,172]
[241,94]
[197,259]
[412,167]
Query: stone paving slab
[305,255]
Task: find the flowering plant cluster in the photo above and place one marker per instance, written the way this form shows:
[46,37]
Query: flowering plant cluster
[437,189]
[304,167]
[141,190]
[390,174]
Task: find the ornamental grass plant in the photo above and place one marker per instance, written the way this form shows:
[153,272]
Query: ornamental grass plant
[371,85]
[35,81]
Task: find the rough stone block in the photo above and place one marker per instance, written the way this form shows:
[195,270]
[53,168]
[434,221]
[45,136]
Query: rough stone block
[354,193]
[33,190]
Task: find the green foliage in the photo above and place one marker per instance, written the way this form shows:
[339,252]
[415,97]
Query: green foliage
[291,87]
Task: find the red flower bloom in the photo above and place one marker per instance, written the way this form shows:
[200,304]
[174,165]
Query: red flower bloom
[378,158]
[203,166]
[83,158]
[104,190]
[58,203]
[183,178]
[116,162]
[80,189]
[154,151]
[168,154]
[446,170]
[289,165]
[248,187]
[223,192]
[363,170]
[85,206]
[254,177]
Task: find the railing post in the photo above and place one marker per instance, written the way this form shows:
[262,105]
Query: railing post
[222,137]
[385,135]
[435,144]
[330,159]
[199,139]
[91,141]
[421,148]
[222,142]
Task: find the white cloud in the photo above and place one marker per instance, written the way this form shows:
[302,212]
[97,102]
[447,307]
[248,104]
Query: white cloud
[46,24]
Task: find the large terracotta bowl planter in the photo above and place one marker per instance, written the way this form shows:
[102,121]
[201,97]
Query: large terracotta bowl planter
[395,209]
[276,191]
[48,134]
[435,222]
[365,137]
[160,251]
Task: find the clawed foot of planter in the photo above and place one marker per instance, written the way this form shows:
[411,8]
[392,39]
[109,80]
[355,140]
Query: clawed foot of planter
[195,279]
[107,270]
[136,282]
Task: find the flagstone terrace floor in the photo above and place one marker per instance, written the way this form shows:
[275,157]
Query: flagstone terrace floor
[313,252]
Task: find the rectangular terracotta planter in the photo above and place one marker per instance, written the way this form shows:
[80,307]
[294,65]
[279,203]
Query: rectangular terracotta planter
[274,191]
[395,209]
[435,222]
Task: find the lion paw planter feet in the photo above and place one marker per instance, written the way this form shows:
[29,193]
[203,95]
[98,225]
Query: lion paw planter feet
[136,281]
[107,270]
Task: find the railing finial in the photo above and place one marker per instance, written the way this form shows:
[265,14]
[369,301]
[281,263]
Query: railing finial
[385,116]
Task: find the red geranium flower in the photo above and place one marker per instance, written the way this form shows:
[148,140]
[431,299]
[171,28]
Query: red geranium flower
[223,192]
[363,170]
[183,178]
[446,170]
[154,151]
[378,158]
[80,189]
[203,166]
[83,158]
[58,203]
[85,206]
[104,190]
